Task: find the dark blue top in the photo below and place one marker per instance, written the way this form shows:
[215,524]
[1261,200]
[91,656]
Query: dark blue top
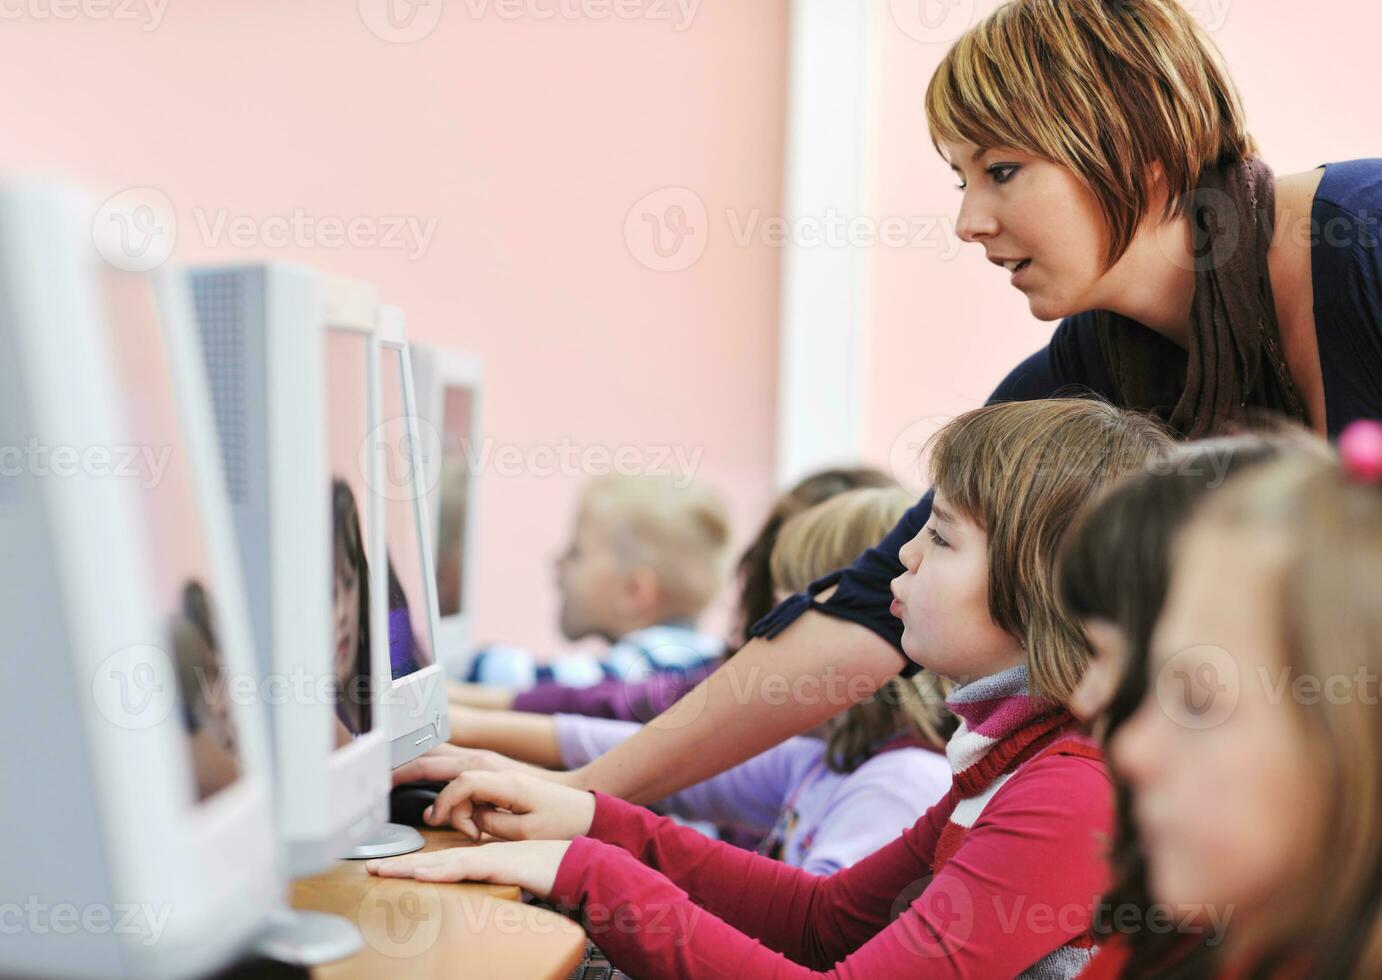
[1346,269]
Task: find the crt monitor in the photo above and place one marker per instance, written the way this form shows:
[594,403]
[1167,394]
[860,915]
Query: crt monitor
[417,702]
[289,359]
[136,778]
[448,387]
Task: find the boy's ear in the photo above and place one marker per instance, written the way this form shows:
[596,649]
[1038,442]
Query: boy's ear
[641,592]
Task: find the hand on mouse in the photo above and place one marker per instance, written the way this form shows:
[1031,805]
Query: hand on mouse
[512,806]
[531,865]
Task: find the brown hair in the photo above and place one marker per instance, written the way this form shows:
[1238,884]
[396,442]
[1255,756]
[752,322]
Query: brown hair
[1022,471]
[1115,566]
[820,540]
[1328,923]
[756,592]
[1105,89]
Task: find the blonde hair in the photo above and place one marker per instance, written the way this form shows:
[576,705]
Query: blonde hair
[1104,89]
[1329,529]
[681,533]
[1022,471]
[816,542]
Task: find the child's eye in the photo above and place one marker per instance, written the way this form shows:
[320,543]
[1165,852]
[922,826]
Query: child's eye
[937,538]
[1002,172]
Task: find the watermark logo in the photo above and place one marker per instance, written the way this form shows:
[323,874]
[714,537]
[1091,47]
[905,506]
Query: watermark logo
[932,21]
[134,688]
[36,917]
[400,918]
[405,458]
[147,13]
[668,230]
[1198,687]
[400,21]
[136,229]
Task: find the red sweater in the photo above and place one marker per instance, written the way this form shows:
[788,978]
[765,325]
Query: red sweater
[664,901]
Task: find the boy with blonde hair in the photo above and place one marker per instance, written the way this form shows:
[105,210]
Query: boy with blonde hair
[645,559]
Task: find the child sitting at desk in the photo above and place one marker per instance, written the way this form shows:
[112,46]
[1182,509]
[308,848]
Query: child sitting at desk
[645,560]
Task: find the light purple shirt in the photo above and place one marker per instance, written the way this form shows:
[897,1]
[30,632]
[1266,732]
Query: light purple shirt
[827,820]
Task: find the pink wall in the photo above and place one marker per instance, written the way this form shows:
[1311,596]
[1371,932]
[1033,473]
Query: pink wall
[944,325]
[527,141]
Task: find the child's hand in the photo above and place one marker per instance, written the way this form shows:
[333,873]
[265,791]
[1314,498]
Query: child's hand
[445,762]
[479,695]
[513,806]
[531,865]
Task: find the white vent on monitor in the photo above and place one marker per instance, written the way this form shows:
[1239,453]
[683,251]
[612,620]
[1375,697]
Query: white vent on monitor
[222,307]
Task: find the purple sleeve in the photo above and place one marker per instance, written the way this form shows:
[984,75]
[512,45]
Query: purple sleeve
[874,805]
[751,794]
[635,700]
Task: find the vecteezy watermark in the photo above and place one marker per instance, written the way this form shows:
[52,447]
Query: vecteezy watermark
[146,463]
[401,918]
[1199,686]
[409,234]
[400,21]
[136,229]
[135,688]
[406,21]
[1212,14]
[1160,919]
[668,230]
[932,21]
[407,459]
[147,13]
[36,917]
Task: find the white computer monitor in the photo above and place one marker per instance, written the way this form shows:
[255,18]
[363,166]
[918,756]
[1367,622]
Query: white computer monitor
[290,358]
[448,386]
[137,789]
[417,701]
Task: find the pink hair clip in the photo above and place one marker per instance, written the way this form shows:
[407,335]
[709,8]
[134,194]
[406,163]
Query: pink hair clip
[1360,451]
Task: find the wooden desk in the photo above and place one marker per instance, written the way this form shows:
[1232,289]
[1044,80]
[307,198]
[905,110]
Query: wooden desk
[415,929]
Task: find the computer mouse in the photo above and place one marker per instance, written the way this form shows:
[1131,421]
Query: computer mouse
[408,801]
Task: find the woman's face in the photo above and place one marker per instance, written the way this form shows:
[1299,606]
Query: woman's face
[942,598]
[1096,688]
[1216,755]
[345,604]
[1022,208]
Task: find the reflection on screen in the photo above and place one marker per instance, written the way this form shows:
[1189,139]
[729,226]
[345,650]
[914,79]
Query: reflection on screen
[408,633]
[347,416]
[453,487]
[173,522]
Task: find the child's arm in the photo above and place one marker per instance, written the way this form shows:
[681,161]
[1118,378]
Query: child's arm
[1022,883]
[767,692]
[751,794]
[529,738]
[628,700]
[489,696]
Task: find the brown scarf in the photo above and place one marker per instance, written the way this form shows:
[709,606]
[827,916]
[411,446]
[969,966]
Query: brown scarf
[1233,327]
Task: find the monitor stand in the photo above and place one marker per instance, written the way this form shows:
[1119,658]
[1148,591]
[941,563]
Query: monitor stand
[308,938]
[392,840]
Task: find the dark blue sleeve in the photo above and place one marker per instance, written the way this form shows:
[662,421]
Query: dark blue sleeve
[1069,366]
[1346,274]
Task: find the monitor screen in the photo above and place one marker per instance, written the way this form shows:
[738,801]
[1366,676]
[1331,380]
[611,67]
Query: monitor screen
[347,416]
[409,637]
[184,584]
[454,490]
